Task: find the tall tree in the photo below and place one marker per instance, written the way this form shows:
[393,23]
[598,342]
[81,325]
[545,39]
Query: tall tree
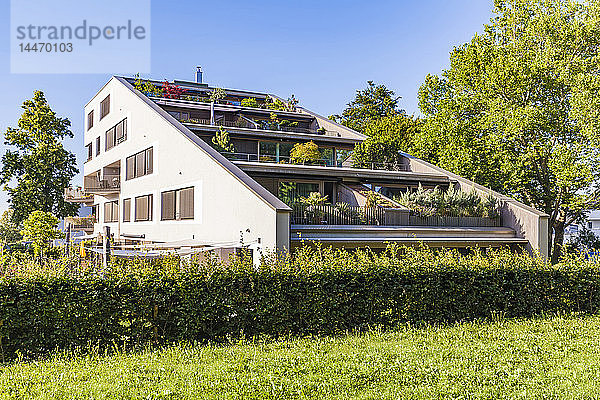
[372,103]
[386,138]
[36,173]
[518,108]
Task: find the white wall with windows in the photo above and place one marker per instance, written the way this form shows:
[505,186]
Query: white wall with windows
[159,164]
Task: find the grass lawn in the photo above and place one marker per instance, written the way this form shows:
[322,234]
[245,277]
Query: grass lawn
[552,358]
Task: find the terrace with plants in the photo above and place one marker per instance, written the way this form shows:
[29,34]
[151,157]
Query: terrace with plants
[423,207]
[229,108]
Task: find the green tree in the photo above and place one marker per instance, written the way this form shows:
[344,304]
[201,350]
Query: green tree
[303,153]
[370,104]
[585,241]
[217,94]
[250,102]
[10,231]
[40,227]
[36,173]
[221,141]
[386,138]
[518,109]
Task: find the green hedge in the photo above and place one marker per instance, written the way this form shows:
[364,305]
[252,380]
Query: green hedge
[318,291]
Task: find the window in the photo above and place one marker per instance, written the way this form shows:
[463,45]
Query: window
[186,203]
[105,107]
[143,208]
[168,205]
[111,211]
[89,151]
[139,164]
[177,204]
[98,145]
[291,192]
[90,119]
[126,210]
[116,135]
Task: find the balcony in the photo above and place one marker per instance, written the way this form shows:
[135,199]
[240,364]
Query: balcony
[343,214]
[247,123]
[325,162]
[81,223]
[78,195]
[107,184]
[264,158]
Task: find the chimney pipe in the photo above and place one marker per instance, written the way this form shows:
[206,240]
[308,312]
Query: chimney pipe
[198,74]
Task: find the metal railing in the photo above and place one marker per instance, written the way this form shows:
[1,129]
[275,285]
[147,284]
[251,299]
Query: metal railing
[267,158]
[81,223]
[258,126]
[108,183]
[447,221]
[77,194]
[328,214]
[343,214]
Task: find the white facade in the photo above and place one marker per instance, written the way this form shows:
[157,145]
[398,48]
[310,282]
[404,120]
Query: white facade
[225,207]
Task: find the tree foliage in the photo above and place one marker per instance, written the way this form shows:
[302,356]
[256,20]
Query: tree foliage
[10,232]
[40,227]
[584,241]
[518,109]
[386,138]
[222,142]
[370,104]
[303,153]
[36,173]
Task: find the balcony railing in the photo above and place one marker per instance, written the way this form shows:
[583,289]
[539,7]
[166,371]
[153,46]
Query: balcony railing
[77,195]
[328,214]
[249,125]
[343,214]
[107,184]
[265,158]
[81,223]
[472,222]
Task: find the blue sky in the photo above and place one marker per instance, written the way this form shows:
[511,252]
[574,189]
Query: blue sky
[321,51]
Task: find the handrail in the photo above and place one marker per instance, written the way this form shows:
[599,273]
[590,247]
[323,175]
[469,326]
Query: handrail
[108,182]
[344,214]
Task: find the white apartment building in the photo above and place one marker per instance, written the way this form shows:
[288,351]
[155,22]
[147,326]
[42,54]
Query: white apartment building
[153,174]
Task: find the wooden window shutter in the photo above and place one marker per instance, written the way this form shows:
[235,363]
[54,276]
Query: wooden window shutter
[115,211]
[141,208]
[130,167]
[149,161]
[119,132]
[140,164]
[105,107]
[110,138]
[107,212]
[186,203]
[126,210]
[167,208]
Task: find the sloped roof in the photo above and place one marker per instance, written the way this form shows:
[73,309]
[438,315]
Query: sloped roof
[240,175]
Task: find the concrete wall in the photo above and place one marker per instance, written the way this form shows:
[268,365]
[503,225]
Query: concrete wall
[527,222]
[225,204]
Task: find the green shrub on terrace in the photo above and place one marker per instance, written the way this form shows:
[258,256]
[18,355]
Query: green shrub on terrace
[250,102]
[315,291]
[452,202]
